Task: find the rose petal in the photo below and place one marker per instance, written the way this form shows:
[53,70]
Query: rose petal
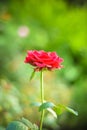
[41,59]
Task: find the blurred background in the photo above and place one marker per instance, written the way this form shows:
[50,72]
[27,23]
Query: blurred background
[50,25]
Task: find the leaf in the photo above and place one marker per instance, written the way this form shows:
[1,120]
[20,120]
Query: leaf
[35,127]
[26,122]
[32,75]
[59,109]
[17,125]
[37,104]
[23,124]
[46,105]
[52,112]
[29,124]
[71,111]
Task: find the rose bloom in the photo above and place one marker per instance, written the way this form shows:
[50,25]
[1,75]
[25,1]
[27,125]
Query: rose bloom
[43,60]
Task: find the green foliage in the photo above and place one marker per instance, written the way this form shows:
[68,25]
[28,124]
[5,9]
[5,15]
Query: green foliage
[26,122]
[55,110]
[32,75]
[29,124]
[53,26]
[17,125]
[45,106]
[58,109]
[71,111]
[23,124]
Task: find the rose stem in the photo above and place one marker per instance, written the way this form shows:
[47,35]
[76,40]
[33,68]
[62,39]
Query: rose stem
[42,98]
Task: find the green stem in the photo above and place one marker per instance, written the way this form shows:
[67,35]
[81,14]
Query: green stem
[42,98]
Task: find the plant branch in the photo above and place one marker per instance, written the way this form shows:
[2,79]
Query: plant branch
[42,98]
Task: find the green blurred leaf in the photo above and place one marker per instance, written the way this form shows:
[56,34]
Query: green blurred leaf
[35,127]
[32,75]
[59,109]
[52,112]
[17,125]
[71,111]
[23,124]
[36,104]
[46,105]
[27,122]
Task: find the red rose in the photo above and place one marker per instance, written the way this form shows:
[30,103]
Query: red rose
[43,60]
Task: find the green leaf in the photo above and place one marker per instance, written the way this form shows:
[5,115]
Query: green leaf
[35,127]
[29,124]
[71,111]
[52,112]
[26,122]
[23,124]
[58,109]
[17,125]
[46,105]
[32,75]
[36,104]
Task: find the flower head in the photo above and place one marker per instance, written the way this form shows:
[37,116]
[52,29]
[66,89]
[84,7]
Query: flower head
[43,60]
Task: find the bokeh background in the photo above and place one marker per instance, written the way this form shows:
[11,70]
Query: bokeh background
[50,25]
